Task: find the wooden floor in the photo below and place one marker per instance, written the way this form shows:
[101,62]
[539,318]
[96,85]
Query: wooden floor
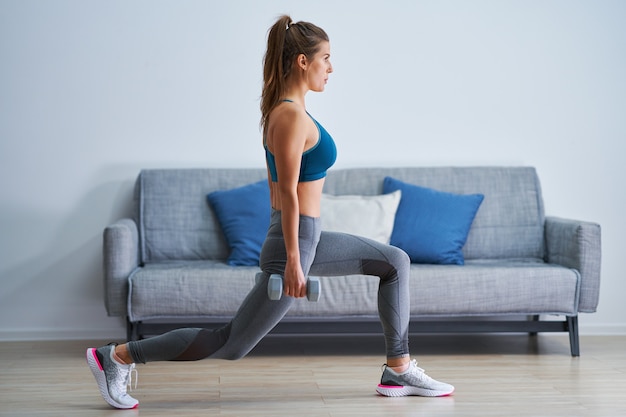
[494,375]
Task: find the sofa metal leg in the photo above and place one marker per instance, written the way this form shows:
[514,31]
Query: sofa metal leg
[131,330]
[534,317]
[572,328]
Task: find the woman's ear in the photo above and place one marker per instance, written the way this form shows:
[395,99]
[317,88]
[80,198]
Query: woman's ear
[302,61]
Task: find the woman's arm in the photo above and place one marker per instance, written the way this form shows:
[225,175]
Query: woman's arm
[289,133]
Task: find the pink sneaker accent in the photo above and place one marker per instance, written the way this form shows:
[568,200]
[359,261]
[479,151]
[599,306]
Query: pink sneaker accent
[95,358]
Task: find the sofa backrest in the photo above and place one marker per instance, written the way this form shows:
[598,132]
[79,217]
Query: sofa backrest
[174,218]
[176,222]
[509,222]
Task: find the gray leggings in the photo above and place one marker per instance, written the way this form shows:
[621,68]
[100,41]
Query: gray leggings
[321,254]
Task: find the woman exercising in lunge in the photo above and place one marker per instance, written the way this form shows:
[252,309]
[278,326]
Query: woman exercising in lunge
[298,152]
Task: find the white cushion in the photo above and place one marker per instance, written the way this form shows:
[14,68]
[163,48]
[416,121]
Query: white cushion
[370,216]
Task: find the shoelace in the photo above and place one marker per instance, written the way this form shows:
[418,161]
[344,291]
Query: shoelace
[414,370]
[129,377]
[418,372]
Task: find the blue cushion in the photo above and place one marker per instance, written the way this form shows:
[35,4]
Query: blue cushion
[432,226]
[244,215]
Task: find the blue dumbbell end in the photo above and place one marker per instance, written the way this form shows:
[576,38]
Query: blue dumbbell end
[314,289]
[275,287]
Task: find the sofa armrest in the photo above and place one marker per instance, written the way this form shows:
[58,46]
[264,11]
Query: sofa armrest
[576,244]
[121,258]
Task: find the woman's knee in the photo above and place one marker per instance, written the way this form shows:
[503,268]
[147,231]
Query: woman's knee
[394,265]
[399,256]
[398,259]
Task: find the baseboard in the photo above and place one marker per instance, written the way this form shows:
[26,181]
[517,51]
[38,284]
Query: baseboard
[601,329]
[119,334]
[20,335]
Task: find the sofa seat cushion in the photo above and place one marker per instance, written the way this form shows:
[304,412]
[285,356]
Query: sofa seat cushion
[477,288]
[213,289]
[494,287]
[188,289]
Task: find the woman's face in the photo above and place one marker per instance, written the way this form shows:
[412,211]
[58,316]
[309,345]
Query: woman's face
[319,68]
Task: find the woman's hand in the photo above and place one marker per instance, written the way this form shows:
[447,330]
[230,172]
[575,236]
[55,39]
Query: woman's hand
[294,281]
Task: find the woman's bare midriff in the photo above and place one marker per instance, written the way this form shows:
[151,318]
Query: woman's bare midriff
[309,196]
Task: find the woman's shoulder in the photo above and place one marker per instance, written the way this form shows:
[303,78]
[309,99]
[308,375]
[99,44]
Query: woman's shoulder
[289,114]
[287,127]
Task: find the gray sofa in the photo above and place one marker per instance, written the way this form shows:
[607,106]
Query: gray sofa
[523,271]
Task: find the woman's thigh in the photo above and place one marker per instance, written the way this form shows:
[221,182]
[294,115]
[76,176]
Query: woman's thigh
[344,254]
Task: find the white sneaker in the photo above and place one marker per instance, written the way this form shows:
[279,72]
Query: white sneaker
[413,381]
[112,377]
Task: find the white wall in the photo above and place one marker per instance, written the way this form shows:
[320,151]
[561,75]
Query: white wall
[93,91]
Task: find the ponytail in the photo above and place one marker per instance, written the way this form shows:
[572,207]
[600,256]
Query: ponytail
[285,41]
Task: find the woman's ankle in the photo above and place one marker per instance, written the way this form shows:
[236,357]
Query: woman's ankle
[121,355]
[399,365]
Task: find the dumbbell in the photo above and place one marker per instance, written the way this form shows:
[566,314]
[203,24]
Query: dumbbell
[275,287]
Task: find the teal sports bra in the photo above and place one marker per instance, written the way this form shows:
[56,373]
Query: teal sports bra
[315,161]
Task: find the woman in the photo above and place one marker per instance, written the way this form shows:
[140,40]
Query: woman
[298,152]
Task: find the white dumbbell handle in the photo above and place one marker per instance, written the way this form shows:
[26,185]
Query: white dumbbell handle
[275,287]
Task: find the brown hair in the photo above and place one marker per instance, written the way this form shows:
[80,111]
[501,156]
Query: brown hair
[285,41]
